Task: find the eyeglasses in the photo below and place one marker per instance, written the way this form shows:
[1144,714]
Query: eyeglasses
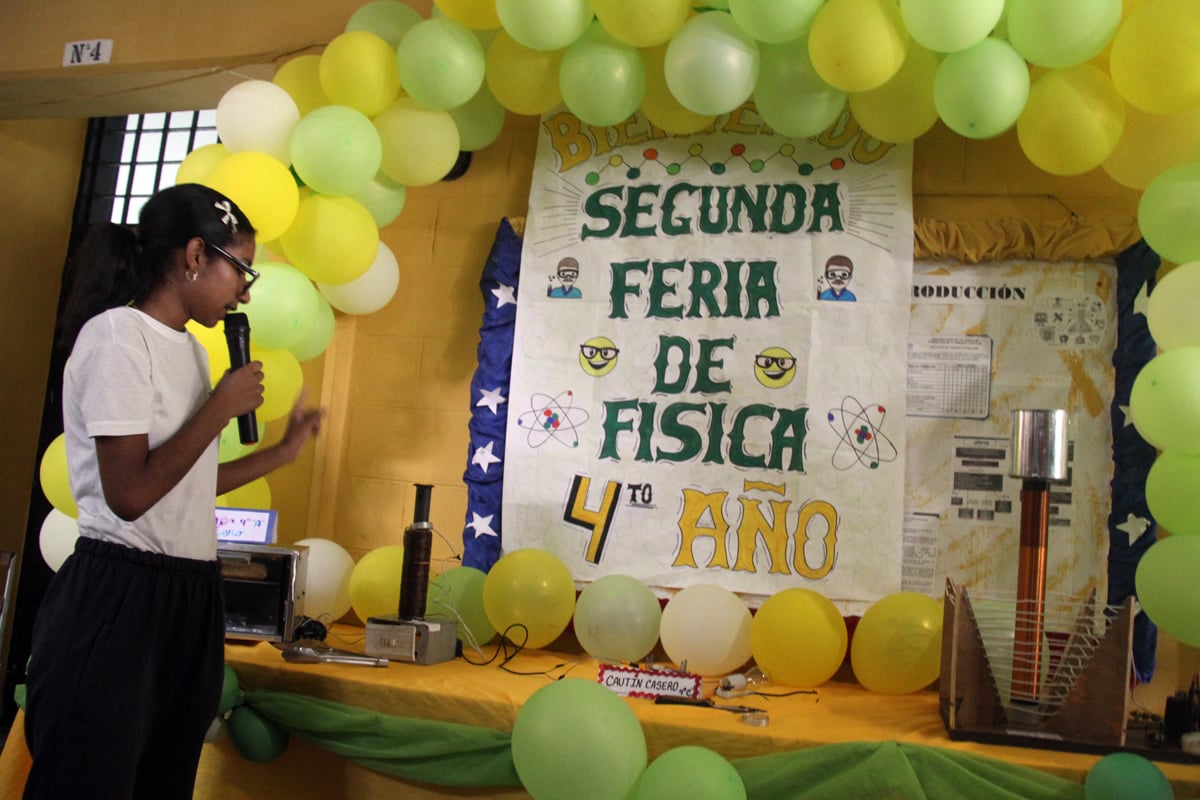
[782,362]
[837,274]
[250,272]
[607,353]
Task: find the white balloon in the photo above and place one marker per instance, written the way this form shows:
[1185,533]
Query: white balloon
[57,538]
[708,627]
[258,116]
[327,585]
[370,291]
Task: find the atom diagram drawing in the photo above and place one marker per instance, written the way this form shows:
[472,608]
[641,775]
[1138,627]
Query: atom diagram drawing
[860,438]
[552,419]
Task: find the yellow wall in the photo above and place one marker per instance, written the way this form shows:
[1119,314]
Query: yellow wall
[396,383]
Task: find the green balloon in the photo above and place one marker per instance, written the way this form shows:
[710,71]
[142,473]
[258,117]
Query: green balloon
[790,96]
[387,19]
[1120,776]
[441,63]
[979,92]
[576,740]
[336,150]
[1061,33]
[255,737]
[319,335]
[1171,492]
[1165,400]
[544,24]
[384,198]
[947,26]
[283,305]
[617,618]
[1167,587]
[774,21]
[1168,211]
[711,65]
[603,80]
[696,773]
[231,692]
[458,595]
[479,120]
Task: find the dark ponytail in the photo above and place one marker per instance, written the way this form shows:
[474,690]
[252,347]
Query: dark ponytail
[117,265]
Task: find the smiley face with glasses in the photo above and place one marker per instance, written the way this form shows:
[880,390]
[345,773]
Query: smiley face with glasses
[774,367]
[598,356]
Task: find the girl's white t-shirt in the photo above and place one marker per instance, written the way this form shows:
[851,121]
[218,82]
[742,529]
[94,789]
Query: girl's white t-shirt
[129,374]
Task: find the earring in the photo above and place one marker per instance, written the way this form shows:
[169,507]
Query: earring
[192,275]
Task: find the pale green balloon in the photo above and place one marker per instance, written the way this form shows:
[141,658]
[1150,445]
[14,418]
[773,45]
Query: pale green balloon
[711,64]
[336,150]
[980,92]
[319,336]
[775,21]
[602,80]
[544,24]
[1061,33]
[387,19]
[457,594]
[1171,492]
[1167,587]
[947,26]
[1165,400]
[480,120]
[384,198]
[790,96]
[283,305]
[1168,211]
[441,63]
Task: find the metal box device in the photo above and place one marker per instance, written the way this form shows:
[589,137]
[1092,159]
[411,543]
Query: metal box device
[263,587]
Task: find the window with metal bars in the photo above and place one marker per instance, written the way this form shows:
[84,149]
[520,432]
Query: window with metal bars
[130,158]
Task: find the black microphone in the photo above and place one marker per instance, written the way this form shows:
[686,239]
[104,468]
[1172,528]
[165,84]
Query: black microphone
[237,336]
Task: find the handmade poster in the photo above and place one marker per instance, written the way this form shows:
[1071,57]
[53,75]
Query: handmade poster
[987,340]
[708,370]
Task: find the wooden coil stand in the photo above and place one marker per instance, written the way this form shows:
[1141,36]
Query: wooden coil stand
[1092,716]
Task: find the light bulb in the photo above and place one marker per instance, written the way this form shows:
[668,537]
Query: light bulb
[741,683]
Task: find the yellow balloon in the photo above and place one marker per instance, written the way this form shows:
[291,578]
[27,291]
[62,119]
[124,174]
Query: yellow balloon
[420,145]
[523,80]
[199,164]
[897,645]
[477,14]
[375,582]
[262,187]
[55,479]
[529,591]
[282,380]
[659,105]
[255,494]
[642,23]
[858,45]
[1072,120]
[798,638]
[1155,60]
[301,79]
[333,239]
[1151,144]
[902,109]
[358,69]
[213,341]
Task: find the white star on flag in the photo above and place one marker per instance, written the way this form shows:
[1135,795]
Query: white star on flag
[504,295]
[491,399]
[1135,526]
[1141,300]
[1125,412]
[484,457]
[482,525]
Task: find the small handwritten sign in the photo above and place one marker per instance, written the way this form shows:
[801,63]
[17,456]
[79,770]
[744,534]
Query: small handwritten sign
[647,683]
[246,525]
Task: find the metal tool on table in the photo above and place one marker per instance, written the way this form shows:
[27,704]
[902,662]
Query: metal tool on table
[317,652]
[756,717]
